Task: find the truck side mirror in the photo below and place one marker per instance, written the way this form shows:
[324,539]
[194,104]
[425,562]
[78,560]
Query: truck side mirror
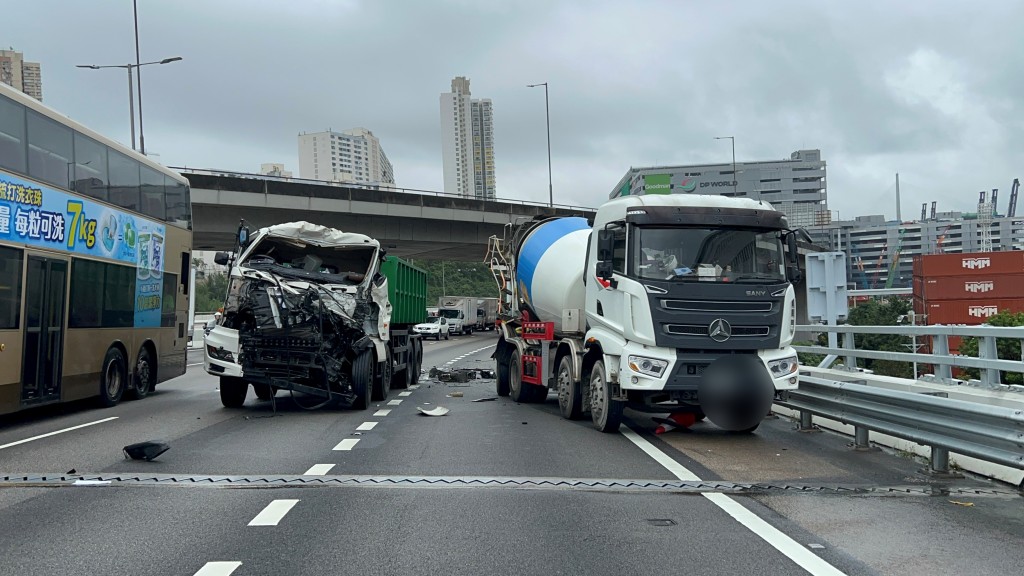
[222,258]
[604,270]
[791,248]
[243,236]
[605,245]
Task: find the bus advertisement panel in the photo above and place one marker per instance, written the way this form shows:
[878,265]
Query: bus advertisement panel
[44,217]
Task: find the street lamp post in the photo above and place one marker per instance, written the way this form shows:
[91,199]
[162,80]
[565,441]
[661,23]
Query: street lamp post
[131,92]
[733,140]
[547,116]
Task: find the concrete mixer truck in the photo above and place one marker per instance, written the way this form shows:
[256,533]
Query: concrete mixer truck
[662,303]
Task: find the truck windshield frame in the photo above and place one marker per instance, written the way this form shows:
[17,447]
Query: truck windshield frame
[703,254]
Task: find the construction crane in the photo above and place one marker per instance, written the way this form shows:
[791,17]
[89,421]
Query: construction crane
[995,202]
[894,263]
[942,238]
[1011,210]
[924,211]
[985,222]
[933,209]
[858,266]
[878,266]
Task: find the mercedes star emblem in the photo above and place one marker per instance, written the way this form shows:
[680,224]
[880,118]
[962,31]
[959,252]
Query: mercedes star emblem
[720,330]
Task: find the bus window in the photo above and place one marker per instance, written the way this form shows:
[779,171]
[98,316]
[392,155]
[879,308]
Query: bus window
[49,150]
[168,317]
[153,194]
[90,167]
[103,295]
[124,181]
[10,287]
[176,202]
[12,135]
[118,296]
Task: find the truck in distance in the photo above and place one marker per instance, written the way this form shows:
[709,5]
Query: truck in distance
[460,311]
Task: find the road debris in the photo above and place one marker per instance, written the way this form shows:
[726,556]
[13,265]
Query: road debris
[488,399]
[145,450]
[437,411]
[455,395]
[958,503]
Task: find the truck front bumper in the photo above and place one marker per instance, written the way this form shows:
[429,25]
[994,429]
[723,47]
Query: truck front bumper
[684,370]
[220,353]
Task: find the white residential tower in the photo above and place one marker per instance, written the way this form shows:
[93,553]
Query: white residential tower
[467,142]
[353,156]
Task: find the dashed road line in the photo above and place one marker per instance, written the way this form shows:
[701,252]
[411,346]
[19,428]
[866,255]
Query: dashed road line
[382,412]
[318,470]
[770,534]
[273,513]
[55,432]
[406,393]
[394,402]
[366,426]
[218,569]
[347,444]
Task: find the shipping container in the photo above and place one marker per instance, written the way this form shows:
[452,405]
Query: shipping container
[934,265]
[981,287]
[969,312]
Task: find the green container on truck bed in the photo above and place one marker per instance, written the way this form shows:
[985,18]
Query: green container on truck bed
[407,291]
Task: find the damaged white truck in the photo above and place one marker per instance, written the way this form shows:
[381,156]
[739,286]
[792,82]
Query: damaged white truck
[308,310]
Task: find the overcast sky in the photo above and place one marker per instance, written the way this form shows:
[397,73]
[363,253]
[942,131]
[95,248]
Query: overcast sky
[933,90]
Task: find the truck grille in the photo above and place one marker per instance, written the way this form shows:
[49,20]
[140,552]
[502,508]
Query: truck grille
[717,306]
[701,330]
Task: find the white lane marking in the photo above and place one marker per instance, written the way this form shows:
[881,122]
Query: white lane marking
[196,364]
[218,569]
[405,393]
[92,482]
[394,402]
[366,426]
[770,534]
[55,432]
[273,513]
[347,444]
[414,387]
[382,412]
[318,470]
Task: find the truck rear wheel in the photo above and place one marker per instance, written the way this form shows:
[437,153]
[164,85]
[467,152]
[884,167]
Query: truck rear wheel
[501,382]
[233,391]
[418,361]
[362,380]
[264,391]
[605,411]
[516,388]
[570,397]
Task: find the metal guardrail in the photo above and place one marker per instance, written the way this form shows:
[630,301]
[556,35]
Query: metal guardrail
[990,433]
[382,187]
[988,362]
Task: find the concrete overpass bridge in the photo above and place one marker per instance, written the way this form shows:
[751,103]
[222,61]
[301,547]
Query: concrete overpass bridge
[409,223]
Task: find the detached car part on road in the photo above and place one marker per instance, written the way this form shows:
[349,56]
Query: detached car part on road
[314,310]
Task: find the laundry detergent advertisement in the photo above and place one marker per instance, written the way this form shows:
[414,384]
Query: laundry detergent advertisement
[44,217]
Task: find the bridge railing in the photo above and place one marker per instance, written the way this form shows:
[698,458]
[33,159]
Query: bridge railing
[936,338]
[375,187]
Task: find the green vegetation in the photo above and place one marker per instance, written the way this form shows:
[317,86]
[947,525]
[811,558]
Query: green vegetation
[878,312]
[210,291]
[449,278]
[1007,348]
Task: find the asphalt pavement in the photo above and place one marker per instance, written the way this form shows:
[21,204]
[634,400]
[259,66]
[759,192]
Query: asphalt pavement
[493,487]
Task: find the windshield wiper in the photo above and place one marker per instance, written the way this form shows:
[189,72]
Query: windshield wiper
[758,277]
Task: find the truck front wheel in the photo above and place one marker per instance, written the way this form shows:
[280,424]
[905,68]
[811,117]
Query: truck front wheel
[362,380]
[233,391]
[605,411]
[570,397]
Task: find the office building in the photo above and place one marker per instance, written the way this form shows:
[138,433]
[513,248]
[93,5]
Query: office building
[22,75]
[467,142]
[797,186]
[352,156]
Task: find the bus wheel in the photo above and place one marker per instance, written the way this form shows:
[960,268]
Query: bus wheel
[113,378]
[145,374]
[233,391]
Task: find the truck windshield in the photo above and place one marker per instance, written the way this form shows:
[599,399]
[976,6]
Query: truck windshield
[449,313]
[707,254]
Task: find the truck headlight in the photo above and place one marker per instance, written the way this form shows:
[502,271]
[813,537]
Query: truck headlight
[784,367]
[648,366]
[220,354]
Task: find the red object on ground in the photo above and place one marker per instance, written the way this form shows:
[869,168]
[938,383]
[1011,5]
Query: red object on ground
[681,419]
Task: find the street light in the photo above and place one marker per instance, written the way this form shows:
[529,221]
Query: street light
[547,116]
[733,140]
[131,92]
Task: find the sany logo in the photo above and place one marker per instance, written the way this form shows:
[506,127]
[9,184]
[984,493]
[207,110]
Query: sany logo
[688,185]
[976,263]
[982,311]
[979,287]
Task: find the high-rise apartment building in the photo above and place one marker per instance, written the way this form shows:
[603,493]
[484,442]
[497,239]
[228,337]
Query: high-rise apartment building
[25,76]
[348,156]
[467,142]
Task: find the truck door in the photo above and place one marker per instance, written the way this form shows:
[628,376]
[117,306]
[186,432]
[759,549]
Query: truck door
[610,306]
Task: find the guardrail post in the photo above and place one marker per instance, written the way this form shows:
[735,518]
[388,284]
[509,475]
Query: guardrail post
[860,438]
[940,461]
[940,347]
[850,344]
[807,422]
[987,349]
